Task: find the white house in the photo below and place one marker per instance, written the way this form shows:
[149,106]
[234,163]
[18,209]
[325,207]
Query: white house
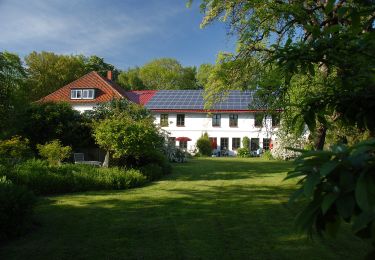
[181,112]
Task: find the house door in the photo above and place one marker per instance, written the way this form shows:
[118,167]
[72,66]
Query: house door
[254,144]
[213,141]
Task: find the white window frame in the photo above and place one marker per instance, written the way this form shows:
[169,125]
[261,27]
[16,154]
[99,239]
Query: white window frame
[74,94]
[82,93]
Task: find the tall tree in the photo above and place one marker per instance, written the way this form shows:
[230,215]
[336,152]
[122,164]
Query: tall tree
[167,73]
[203,74]
[12,78]
[95,63]
[333,39]
[48,72]
[130,79]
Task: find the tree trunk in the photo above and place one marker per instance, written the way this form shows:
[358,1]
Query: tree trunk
[320,138]
[106,160]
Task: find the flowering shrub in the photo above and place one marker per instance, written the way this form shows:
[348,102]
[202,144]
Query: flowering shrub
[284,141]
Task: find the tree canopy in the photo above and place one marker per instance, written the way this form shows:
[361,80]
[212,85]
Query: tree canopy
[167,73]
[326,43]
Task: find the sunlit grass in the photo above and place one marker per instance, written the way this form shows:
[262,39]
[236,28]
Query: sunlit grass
[214,208]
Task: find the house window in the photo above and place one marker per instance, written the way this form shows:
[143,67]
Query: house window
[164,120]
[236,143]
[82,94]
[76,94]
[224,143]
[172,141]
[275,120]
[216,118]
[213,141]
[233,120]
[259,119]
[180,120]
[266,143]
[254,144]
[183,144]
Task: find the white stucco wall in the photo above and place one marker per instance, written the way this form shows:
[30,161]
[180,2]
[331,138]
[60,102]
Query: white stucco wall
[83,107]
[197,124]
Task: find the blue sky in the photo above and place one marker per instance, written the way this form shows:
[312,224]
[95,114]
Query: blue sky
[125,33]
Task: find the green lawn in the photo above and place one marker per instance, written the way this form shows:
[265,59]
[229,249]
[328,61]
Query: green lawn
[216,208]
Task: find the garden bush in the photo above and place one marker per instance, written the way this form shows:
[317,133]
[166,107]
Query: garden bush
[54,152]
[152,171]
[44,179]
[339,186]
[267,155]
[246,143]
[16,209]
[204,145]
[243,152]
[14,150]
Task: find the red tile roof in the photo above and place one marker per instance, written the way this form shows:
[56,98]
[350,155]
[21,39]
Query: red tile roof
[106,90]
[140,96]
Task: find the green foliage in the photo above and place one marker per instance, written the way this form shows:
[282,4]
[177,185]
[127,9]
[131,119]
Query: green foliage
[280,41]
[48,72]
[204,145]
[339,185]
[95,63]
[125,136]
[117,107]
[12,77]
[246,143]
[54,152]
[16,209]
[167,73]
[14,150]
[203,74]
[44,179]
[45,122]
[130,79]
[152,171]
[267,155]
[243,152]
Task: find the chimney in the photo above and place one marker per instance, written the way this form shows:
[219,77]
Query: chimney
[109,75]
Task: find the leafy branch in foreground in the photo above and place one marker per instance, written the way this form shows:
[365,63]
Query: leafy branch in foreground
[340,186]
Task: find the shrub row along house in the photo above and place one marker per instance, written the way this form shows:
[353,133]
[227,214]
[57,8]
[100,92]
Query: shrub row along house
[180,112]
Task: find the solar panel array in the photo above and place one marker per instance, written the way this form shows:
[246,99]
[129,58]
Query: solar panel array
[193,99]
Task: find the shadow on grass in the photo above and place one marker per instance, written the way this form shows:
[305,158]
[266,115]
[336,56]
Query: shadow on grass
[231,222]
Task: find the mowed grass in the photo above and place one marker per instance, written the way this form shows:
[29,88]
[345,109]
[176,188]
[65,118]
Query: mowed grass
[213,208]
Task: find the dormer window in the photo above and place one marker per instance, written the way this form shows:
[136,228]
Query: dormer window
[82,93]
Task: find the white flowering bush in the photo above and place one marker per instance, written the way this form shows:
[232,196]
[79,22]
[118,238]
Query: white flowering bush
[286,140]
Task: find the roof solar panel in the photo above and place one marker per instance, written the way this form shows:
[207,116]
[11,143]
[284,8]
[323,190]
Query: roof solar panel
[193,99]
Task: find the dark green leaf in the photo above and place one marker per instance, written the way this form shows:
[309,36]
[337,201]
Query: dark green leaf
[345,206]
[305,219]
[328,200]
[361,194]
[362,220]
[294,174]
[342,11]
[356,21]
[329,6]
[332,227]
[310,183]
[328,167]
[295,195]
[311,69]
